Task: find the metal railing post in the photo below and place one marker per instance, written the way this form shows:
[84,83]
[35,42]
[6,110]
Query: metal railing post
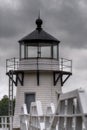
[14,63]
[71,66]
[62,64]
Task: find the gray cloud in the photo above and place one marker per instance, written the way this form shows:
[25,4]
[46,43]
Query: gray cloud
[69,21]
[64,17]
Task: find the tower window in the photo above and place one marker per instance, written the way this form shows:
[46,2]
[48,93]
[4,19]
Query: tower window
[55,52]
[46,51]
[22,51]
[32,51]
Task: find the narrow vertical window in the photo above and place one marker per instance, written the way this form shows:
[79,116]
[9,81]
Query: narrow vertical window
[22,51]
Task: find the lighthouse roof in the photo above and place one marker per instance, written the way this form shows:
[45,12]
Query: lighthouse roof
[39,35]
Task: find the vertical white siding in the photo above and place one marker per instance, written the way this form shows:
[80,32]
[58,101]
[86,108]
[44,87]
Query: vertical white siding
[45,92]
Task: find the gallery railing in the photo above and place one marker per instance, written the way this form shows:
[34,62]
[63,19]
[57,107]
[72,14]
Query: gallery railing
[39,63]
[6,122]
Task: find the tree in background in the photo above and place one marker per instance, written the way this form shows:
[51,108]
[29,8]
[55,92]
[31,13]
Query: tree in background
[4,105]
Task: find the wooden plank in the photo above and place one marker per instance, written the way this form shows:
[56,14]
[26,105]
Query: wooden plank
[70,106]
[78,123]
[69,123]
[61,123]
[68,95]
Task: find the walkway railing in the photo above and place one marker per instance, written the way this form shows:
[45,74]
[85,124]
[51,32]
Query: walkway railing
[36,120]
[6,123]
[40,63]
[70,114]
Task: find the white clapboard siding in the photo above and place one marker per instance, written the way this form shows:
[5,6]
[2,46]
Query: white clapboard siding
[45,92]
[43,64]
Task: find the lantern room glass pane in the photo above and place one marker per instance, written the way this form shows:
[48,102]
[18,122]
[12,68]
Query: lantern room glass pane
[22,51]
[55,52]
[46,52]
[32,51]
[50,51]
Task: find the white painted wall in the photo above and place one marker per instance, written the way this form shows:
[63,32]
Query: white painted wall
[43,64]
[45,92]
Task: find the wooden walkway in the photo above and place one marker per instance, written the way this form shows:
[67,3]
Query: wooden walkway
[70,114]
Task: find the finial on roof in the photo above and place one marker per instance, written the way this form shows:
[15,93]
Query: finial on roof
[39,22]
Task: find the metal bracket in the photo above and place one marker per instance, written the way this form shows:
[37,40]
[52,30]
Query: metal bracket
[19,77]
[60,75]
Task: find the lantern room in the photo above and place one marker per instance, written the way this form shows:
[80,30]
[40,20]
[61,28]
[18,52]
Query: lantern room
[39,44]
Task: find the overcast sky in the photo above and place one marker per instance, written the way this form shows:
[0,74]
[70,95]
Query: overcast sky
[64,19]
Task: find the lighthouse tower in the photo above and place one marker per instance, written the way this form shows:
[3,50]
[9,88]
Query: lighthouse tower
[38,74]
